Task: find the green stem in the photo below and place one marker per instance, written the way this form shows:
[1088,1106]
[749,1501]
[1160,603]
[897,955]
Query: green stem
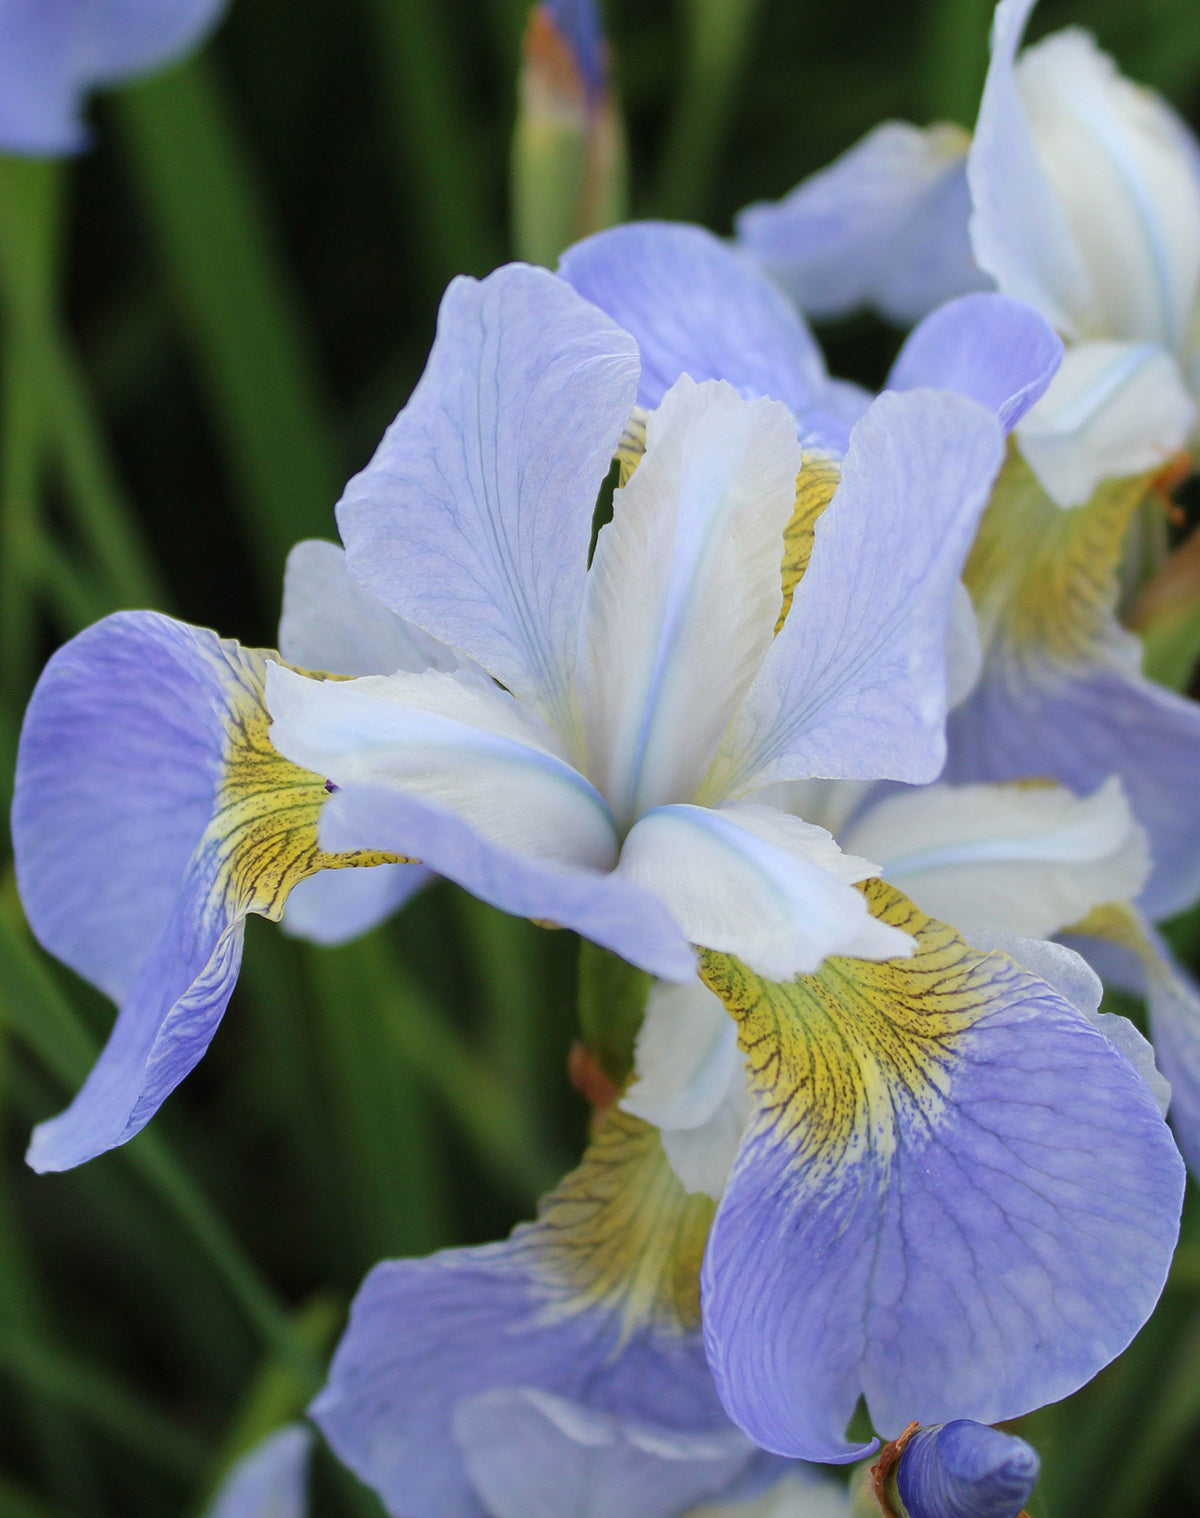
[243,321]
[718,47]
[612,1004]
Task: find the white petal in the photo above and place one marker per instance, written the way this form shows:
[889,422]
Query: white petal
[684,591]
[455,739]
[1112,409]
[330,622]
[751,881]
[1018,228]
[793,1497]
[1019,859]
[1121,168]
[691,1083]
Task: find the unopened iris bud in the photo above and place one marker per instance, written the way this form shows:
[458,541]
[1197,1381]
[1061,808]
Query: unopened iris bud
[568,170]
[963,1470]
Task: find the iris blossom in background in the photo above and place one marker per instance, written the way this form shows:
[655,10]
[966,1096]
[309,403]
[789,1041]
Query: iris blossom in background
[53,53]
[1083,200]
[1057,689]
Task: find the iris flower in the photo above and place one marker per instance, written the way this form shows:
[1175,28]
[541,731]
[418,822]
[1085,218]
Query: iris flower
[53,53]
[1058,693]
[593,776]
[269,1482]
[1083,200]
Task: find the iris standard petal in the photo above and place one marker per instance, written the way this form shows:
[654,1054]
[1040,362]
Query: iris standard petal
[884,225]
[1019,858]
[596,1303]
[151,815]
[684,591]
[999,352]
[606,908]
[697,306]
[924,1210]
[534,1455]
[1018,230]
[53,52]
[966,1470]
[1121,164]
[473,519]
[331,622]
[753,881]
[271,1481]
[854,686]
[1114,409]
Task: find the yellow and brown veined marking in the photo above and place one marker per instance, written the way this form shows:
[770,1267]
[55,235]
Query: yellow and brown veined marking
[619,1235]
[936,1146]
[1044,578]
[263,831]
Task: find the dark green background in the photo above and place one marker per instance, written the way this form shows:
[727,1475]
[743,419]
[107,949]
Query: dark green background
[207,321]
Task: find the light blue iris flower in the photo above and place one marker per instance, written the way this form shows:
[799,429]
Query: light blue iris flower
[53,53]
[592,777]
[1079,194]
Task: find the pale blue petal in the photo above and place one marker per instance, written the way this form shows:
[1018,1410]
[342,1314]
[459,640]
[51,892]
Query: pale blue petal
[119,763]
[980,1240]
[330,622]
[1080,730]
[533,1455]
[966,1470]
[473,519]
[855,685]
[427,1336]
[884,225]
[53,52]
[271,1481]
[1173,1002]
[603,907]
[696,306]
[165,1024]
[335,906]
[999,352]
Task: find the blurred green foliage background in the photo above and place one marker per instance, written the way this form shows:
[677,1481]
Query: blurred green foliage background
[205,324]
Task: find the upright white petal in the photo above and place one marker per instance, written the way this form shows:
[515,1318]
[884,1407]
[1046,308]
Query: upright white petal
[1113,409]
[684,591]
[1029,860]
[451,738]
[751,881]
[1124,175]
